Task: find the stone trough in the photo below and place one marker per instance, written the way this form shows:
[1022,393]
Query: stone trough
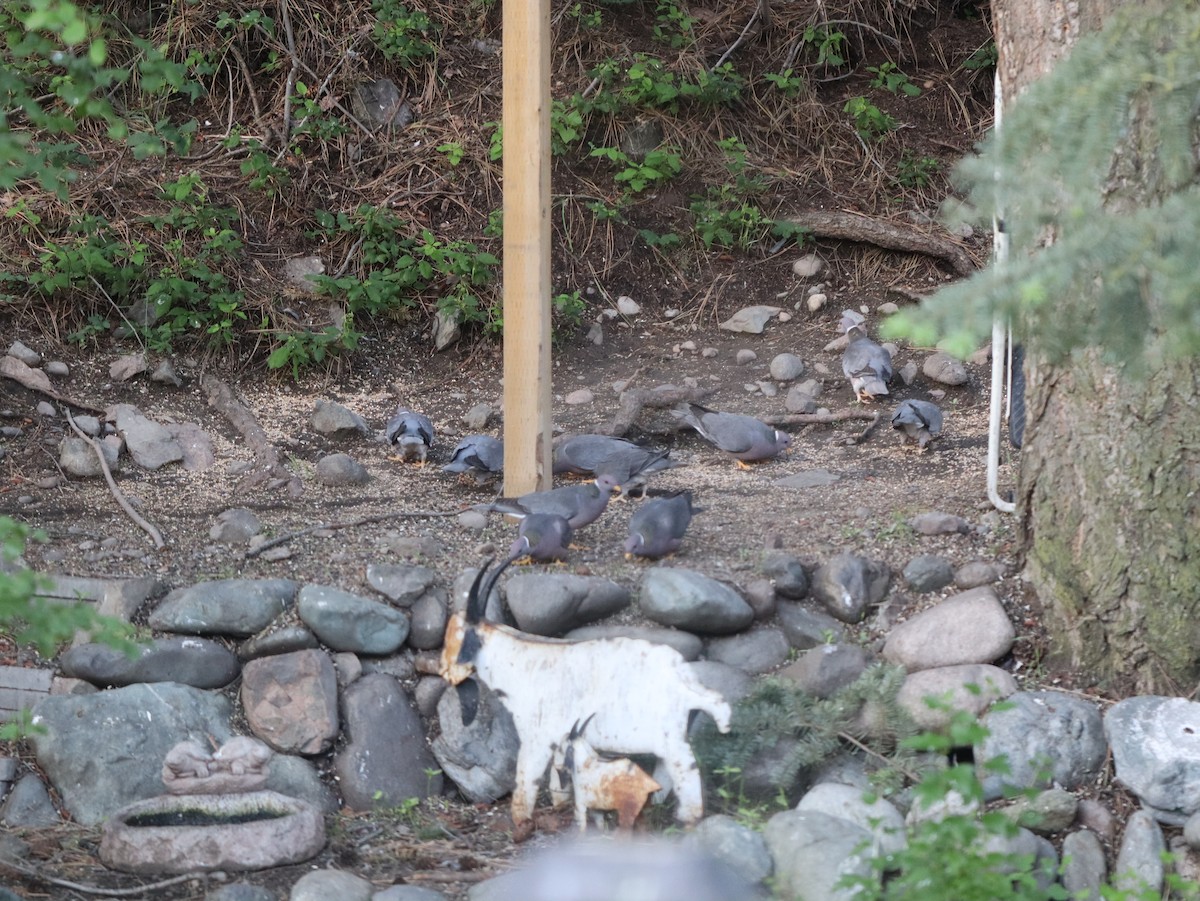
[189,833]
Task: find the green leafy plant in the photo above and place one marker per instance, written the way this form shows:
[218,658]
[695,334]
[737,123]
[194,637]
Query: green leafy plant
[402,34]
[566,127]
[588,19]
[569,309]
[659,166]
[452,151]
[673,25]
[662,242]
[890,78]
[985,57]
[916,171]
[829,45]
[870,121]
[788,82]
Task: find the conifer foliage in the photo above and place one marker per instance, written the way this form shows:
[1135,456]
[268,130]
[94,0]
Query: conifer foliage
[1095,164]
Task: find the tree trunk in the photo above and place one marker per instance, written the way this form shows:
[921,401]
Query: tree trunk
[1107,495]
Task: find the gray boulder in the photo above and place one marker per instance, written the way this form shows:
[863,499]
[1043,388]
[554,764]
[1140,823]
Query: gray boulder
[235,607]
[813,852]
[105,750]
[759,651]
[688,600]
[1156,752]
[350,622]
[386,760]
[1047,737]
[290,701]
[847,584]
[481,759]
[331,418]
[823,670]
[198,662]
[969,627]
[554,603]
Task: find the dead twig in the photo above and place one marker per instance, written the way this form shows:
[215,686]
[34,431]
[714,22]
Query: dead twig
[361,521]
[148,527]
[761,16]
[221,397]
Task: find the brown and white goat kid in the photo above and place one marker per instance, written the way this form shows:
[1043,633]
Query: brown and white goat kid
[641,695]
[601,783]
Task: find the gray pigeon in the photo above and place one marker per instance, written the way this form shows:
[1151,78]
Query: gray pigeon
[411,433]
[657,527]
[577,504]
[867,365]
[745,438]
[543,536]
[480,456]
[630,464]
[919,420]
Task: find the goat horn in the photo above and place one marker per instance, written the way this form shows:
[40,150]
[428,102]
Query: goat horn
[476,605]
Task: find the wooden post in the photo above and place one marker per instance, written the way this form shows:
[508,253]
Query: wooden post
[526,75]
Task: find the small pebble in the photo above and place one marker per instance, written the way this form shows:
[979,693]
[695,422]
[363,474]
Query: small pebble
[57,368]
[745,356]
[807,266]
[45,408]
[25,354]
[709,352]
[816,302]
[627,306]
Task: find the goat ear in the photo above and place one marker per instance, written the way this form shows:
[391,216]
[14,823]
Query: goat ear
[468,700]
[477,603]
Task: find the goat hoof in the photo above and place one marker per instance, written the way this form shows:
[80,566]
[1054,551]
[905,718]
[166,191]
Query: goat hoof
[522,831]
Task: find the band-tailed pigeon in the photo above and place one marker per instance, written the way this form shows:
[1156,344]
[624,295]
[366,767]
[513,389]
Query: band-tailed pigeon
[919,420]
[542,536]
[480,456]
[577,504]
[630,464]
[867,365]
[745,438]
[411,433]
[657,527]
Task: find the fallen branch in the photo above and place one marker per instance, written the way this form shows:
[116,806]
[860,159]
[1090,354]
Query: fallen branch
[36,380]
[138,891]
[362,521]
[844,226]
[266,454]
[634,400]
[819,418]
[148,527]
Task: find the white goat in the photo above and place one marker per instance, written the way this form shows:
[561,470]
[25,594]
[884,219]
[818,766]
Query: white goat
[641,694]
[601,783]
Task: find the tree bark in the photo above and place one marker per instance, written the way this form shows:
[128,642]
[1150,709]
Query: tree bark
[1107,499]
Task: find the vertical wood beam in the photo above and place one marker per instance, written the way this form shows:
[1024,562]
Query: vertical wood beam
[526,115]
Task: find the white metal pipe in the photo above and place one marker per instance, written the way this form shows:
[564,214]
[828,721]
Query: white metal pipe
[1000,343]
